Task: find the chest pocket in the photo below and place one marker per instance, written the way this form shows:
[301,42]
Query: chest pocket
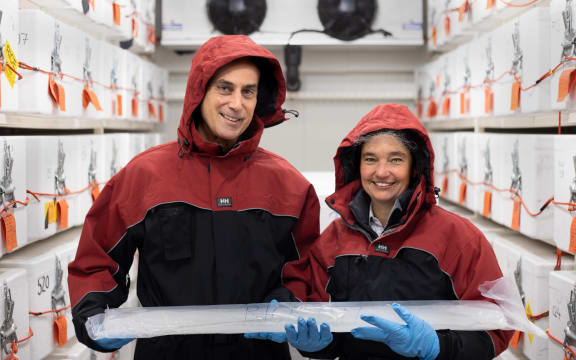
[169,229]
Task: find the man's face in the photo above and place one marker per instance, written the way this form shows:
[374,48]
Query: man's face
[229,103]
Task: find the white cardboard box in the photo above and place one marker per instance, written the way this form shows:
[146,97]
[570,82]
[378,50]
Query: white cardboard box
[534,26]
[49,158]
[9,26]
[13,181]
[114,100]
[465,155]
[46,265]
[564,188]
[562,293]
[14,288]
[560,45]
[503,50]
[91,161]
[40,37]
[531,262]
[488,166]
[535,171]
[444,162]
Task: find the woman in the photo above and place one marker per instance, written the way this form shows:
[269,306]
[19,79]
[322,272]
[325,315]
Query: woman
[392,243]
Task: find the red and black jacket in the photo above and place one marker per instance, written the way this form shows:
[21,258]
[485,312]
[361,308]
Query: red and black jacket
[210,227]
[431,254]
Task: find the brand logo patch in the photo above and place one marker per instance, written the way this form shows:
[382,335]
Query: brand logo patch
[224,202]
[382,248]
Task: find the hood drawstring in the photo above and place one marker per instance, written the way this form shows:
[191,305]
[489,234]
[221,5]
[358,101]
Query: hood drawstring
[183,147]
[294,113]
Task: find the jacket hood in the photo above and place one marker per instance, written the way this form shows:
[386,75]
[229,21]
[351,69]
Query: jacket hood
[388,116]
[214,54]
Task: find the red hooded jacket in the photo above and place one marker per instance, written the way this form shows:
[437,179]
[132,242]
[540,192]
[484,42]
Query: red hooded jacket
[430,254]
[210,227]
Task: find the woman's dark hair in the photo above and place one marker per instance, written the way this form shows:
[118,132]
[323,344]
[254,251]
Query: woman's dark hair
[350,157]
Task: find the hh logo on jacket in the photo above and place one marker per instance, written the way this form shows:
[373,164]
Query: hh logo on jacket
[224,201]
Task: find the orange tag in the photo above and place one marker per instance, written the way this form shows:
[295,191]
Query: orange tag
[61,97]
[444,186]
[434,35]
[94,100]
[566,83]
[134,27]
[516,215]
[463,103]
[445,106]
[89,96]
[61,330]
[151,34]
[116,10]
[95,192]
[134,107]
[490,4]
[9,232]
[52,89]
[432,109]
[572,248]
[62,214]
[447,26]
[462,194]
[462,10]
[488,100]
[515,339]
[487,204]
[151,109]
[161,112]
[515,96]
[119,105]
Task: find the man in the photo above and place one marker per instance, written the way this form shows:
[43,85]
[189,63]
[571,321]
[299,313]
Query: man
[214,217]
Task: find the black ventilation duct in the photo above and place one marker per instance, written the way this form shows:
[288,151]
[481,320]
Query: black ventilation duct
[292,58]
[347,19]
[237,17]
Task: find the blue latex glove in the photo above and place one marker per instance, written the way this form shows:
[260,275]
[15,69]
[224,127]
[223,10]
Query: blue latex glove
[308,338]
[112,344]
[94,324]
[278,337]
[415,339]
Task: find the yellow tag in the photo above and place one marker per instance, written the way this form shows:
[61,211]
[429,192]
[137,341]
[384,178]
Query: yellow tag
[528,309]
[529,313]
[50,211]
[12,61]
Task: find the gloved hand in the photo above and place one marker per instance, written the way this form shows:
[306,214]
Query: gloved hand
[93,326]
[112,344]
[278,337]
[308,338]
[415,339]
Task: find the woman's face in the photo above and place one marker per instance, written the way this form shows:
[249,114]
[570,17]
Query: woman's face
[385,169]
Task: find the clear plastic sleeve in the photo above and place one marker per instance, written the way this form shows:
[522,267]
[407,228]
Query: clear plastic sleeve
[506,312]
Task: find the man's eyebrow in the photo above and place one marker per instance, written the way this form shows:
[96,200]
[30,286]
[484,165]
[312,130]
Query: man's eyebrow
[224,82]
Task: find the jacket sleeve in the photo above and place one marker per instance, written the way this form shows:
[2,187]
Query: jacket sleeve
[98,276]
[470,273]
[296,273]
